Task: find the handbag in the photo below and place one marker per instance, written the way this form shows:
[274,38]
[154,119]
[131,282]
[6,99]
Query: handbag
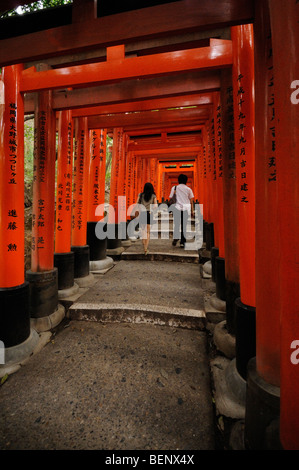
[172,200]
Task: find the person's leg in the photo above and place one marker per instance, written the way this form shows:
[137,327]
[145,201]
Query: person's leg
[184,219]
[176,225]
[147,232]
[144,236]
[147,238]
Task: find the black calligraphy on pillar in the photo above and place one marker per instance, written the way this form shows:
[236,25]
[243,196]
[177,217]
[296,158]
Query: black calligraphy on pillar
[271,114]
[204,155]
[81,181]
[95,188]
[129,182]
[213,150]
[230,133]
[74,202]
[241,139]
[13,143]
[12,225]
[42,146]
[219,141]
[68,175]
[12,176]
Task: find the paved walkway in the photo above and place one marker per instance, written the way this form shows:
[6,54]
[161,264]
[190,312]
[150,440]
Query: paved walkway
[127,370]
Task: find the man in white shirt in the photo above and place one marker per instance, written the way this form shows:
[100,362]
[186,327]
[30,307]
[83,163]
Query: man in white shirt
[182,208]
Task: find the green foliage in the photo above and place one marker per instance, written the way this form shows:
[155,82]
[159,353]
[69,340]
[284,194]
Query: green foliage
[34,6]
[108,161]
[28,149]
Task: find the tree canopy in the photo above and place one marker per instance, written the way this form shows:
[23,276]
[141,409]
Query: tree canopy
[34,6]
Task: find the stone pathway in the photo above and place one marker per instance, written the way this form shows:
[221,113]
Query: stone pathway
[119,380]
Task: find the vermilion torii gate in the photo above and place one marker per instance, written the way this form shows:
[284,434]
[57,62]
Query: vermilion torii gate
[246,165]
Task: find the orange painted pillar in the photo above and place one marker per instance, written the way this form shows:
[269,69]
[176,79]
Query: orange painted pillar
[208,208]
[96,225]
[243,86]
[213,176]
[64,183]
[284,17]
[96,174]
[63,256]
[14,291]
[263,377]
[134,179]
[43,185]
[153,172]
[219,222]
[206,212]
[230,217]
[129,173]
[114,241]
[122,189]
[159,176]
[43,276]
[80,195]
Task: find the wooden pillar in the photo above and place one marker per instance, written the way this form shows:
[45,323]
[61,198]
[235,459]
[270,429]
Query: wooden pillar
[209,206]
[97,167]
[153,172]
[64,183]
[284,17]
[43,185]
[114,241]
[63,256]
[14,290]
[43,277]
[80,195]
[219,221]
[243,89]
[129,173]
[231,245]
[263,377]
[96,225]
[159,193]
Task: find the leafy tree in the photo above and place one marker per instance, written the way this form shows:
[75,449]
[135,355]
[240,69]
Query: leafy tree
[35,6]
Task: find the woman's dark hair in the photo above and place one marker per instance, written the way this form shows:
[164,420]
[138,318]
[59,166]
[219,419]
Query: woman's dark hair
[148,191]
[182,179]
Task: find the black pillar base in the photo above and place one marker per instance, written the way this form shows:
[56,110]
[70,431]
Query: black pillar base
[204,231]
[220,277]
[262,412]
[81,260]
[245,336]
[232,292]
[214,254]
[15,315]
[115,234]
[97,246]
[209,236]
[43,287]
[65,262]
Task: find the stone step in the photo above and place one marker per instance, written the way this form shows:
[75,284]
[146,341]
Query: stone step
[133,313]
[181,256]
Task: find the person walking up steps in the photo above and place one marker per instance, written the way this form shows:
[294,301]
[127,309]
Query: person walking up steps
[181,210]
[149,200]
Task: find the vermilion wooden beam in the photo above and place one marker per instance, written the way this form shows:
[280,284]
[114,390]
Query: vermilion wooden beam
[160,146]
[172,18]
[133,90]
[188,127]
[185,151]
[147,117]
[146,105]
[118,69]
